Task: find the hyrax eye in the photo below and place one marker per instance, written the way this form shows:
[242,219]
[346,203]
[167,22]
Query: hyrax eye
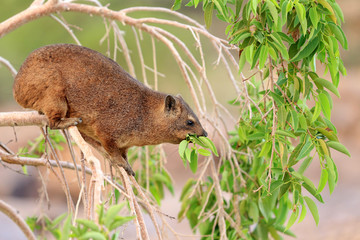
[190,122]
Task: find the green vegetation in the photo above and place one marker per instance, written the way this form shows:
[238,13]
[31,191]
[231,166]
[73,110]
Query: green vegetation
[287,125]
[63,229]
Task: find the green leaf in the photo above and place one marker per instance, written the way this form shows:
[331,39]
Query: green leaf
[93,235]
[163,178]
[208,12]
[327,84]
[285,133]
[295,119]
[313,209]
[187,187]
[253,5]
[112,213]
[332,175]
[194,161]
[339,34]
[265,149]
[209,144]
[312,190]
[323,180]
[242,61]
[256,57]
[204,152]
[280,45]
[323,147]
[306,149]
[182,147]
[326,5]
[89,224]
[177,5]
[196,2]
[238,4]
[187,156]
[325,105]
[221,7]
[277,98]
[156,192]
[292,219]
[295,153]
[273,11]
[198,141]
[304,165]
[303,213]
[58,220]
[253,211]
[314,17]
[317,112]
[263,56]
[338,147]
[120,220]
[306,50]
[301,13]
[264,209]
[65,233]
[330,134]
[338,11]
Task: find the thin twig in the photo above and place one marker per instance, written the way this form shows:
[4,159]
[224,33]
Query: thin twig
[7,64]
[71,206]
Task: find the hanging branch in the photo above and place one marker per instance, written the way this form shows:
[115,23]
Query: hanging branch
[97,178]
[14,216]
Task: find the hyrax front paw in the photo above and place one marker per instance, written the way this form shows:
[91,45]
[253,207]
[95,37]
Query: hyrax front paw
[65,123]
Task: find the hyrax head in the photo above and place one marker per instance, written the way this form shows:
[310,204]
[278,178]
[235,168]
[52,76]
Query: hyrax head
[182,120]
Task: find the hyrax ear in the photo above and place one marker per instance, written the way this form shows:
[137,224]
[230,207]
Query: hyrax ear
[170,104]
[179,96]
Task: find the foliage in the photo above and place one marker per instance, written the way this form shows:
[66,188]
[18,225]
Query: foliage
[190,155]
[287,124]
[37,147]
[152,175]
[62,228]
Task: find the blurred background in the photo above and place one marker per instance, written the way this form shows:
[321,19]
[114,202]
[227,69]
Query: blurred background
[339,216]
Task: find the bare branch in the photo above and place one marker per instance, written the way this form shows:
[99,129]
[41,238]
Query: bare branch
[97,175]
[27,161]
[14,216]
[31,118]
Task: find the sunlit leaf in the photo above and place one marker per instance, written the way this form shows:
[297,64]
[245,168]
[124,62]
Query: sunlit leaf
[208,12]
[338,147]
[323,180]
[313,209]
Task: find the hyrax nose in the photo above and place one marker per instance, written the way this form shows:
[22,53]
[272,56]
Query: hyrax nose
[204,133]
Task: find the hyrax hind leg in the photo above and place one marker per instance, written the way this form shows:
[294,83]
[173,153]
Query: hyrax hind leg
[55,107]
[116,155]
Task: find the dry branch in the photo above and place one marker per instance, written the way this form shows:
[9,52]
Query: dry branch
[14,216]
[97,178]
[26,161]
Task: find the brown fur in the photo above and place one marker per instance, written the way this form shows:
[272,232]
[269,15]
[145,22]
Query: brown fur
[74,85]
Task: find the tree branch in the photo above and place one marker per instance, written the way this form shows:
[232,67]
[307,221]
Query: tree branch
[14,216]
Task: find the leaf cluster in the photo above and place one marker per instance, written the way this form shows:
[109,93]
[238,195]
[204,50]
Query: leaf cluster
[151,174]
[62,228]
[200,146]
[288,123]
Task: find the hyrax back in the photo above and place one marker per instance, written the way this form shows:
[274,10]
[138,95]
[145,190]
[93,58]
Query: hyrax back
[75,85]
